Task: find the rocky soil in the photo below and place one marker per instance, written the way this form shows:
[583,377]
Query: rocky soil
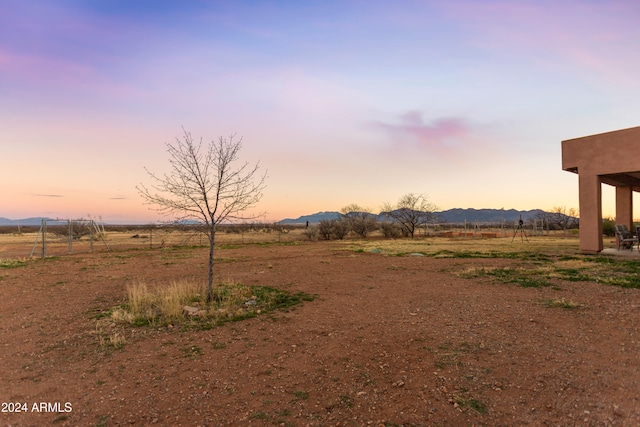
[388,341]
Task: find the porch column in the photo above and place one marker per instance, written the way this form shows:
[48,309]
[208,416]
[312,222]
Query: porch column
[590,213]
[624,206]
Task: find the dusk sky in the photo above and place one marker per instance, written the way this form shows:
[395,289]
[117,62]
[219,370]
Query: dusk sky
[340,101]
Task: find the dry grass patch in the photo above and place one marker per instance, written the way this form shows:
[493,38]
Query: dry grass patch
[465,247]
[109,337]
[164,302]
[571,263]
[12,263]
[472,272]
[525,277]
[183,303]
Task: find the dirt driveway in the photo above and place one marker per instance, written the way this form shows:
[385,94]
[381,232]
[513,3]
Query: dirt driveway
[388,341]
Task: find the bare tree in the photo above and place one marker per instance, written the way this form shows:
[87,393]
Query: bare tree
[559,218]
[411,211]
[76,229]
[360,219]
[563,218]
[204,186]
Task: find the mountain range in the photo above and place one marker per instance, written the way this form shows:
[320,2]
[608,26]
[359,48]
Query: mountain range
[452,216]
[24,221]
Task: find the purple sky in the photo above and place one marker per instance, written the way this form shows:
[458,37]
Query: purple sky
[342,102]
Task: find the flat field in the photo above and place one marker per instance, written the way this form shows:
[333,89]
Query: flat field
[29,241]
[431,332]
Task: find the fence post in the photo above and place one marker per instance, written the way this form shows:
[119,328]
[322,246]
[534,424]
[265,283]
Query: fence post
[44,237]
[70,238]
[90,235]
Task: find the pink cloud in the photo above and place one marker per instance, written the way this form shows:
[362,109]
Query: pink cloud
[441,135]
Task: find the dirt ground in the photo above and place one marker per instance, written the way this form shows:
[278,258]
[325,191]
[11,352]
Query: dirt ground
[388,341]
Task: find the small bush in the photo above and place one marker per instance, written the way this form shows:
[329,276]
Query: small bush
[311,232]
[390,230]
[333,229]
[340,229]
[609,227]
[359,220]
[325,228]
[364,226]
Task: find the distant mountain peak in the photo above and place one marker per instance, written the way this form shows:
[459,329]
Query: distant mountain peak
[455,216]
[24,221]
[312,219]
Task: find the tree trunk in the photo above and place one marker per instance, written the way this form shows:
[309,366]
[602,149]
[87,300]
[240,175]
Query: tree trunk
[212,238]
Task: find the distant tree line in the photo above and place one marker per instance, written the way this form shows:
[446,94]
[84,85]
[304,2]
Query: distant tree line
[413,211]
[401,219]
[560,218]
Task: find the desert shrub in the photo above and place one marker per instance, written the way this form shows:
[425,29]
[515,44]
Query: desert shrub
[360,220]
[609,227]
[340,229]
[364,225]
[325,228]
[333,229]
[232,229]
[390,230]
[311,232]
[281,228]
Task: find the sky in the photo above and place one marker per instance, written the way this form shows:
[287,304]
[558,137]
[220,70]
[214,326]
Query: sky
[340,102]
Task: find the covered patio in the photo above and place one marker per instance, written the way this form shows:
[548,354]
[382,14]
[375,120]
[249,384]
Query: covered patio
[612,158]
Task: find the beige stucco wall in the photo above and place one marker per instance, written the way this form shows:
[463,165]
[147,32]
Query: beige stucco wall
[614,158]
[605,153]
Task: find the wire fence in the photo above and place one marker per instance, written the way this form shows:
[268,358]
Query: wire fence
[64,237]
